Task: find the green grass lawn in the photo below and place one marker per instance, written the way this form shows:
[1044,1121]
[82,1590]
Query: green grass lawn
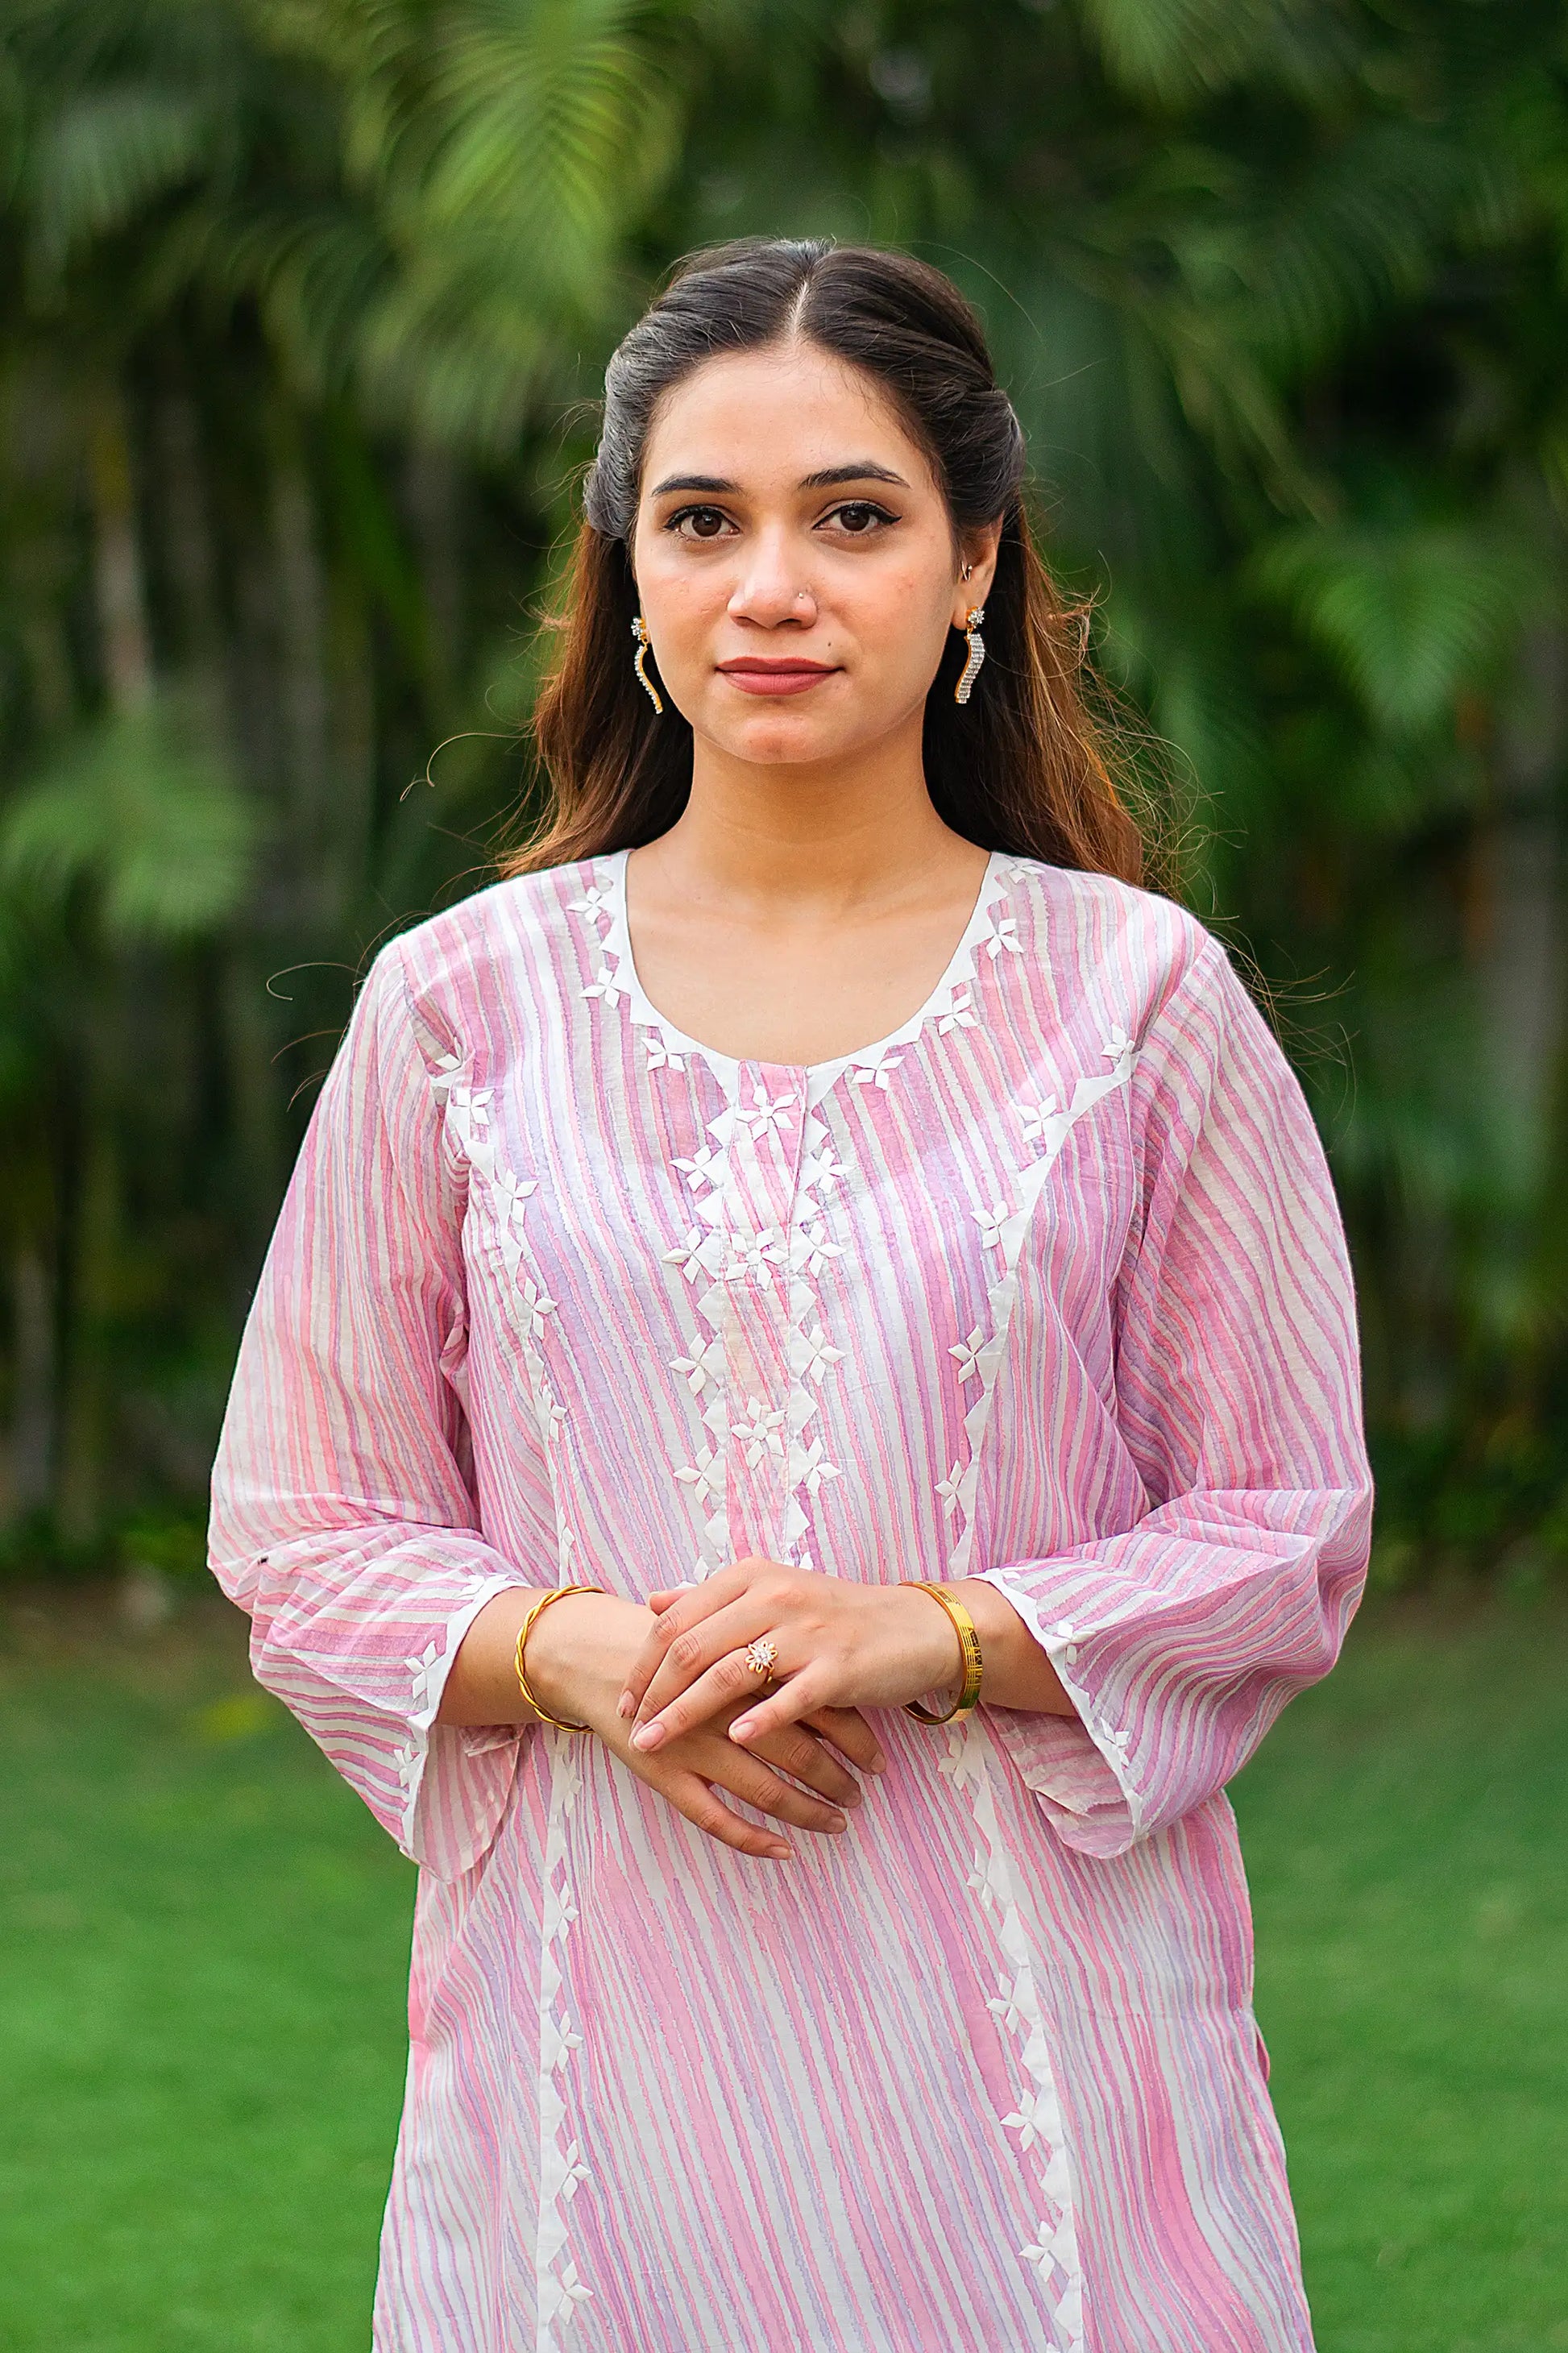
[202,1974]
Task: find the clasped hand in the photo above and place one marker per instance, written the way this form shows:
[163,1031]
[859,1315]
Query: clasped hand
[837,1645]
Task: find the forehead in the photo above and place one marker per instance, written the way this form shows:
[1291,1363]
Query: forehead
[774,416]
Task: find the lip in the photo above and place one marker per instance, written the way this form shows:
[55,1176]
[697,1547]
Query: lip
[785,675]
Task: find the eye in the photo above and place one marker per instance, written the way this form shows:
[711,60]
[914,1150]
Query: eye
[860,518]
[705,523]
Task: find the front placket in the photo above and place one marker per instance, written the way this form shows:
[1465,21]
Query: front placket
[762,1179]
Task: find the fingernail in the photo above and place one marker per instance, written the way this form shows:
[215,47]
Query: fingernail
[624,1704]
[647,1735]
[839,1823]
[879,1764]
[781,1853]
[742,1729]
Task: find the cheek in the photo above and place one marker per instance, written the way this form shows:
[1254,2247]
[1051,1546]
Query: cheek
[681,605]
[900,619]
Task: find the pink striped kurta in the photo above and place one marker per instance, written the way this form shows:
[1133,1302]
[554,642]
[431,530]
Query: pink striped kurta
[1049,1287]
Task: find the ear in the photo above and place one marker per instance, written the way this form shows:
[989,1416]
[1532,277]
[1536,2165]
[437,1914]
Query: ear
[980,548]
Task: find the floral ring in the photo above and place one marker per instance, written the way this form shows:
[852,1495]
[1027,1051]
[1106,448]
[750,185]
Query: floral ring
[760,1656]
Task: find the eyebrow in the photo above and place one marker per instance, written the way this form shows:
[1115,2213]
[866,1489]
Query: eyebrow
[861,470]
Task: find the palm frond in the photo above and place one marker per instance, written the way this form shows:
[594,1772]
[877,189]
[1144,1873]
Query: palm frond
[1173,50]
[142,810]
[1411,616]
[103,158]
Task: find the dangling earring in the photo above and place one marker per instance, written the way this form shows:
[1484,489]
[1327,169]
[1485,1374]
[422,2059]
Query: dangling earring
[971,670]
[639,631]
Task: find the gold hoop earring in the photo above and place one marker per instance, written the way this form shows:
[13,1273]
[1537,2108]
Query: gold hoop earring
[639,663]
[971,670]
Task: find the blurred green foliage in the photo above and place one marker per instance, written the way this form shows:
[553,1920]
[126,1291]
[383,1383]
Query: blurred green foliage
[302,308]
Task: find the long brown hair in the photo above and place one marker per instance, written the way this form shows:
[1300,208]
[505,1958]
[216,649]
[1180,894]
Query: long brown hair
[1025,766]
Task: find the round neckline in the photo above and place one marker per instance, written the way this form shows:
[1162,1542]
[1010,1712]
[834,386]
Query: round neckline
[818,1076]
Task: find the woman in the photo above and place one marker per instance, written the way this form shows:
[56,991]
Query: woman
[815,1174]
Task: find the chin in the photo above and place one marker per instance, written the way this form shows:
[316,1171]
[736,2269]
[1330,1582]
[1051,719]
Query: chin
[775,741]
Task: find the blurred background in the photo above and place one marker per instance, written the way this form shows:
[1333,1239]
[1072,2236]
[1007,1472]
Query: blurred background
[305,306]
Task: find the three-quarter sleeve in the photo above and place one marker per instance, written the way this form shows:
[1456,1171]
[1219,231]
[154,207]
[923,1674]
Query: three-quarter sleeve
[1237,1393]
[343,1516]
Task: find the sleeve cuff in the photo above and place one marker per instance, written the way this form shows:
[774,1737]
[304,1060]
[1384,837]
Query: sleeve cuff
[1077,1765]
[456,1778]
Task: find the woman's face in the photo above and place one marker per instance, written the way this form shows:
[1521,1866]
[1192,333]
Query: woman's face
[794,558]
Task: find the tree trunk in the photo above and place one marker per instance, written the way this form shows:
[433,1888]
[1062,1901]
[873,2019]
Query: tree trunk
[33,1368]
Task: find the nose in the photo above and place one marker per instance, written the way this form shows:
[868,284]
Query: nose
[771,591]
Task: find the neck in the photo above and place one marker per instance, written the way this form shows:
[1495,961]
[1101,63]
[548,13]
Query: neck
[856,832]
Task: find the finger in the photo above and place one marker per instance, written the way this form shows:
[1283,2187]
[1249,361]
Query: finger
[720,1685]
[801,1697]
[799,1752]
[669,1594]
[848,1732]
[699,1647]
[747,1776]
[686,1610]
[690,1795]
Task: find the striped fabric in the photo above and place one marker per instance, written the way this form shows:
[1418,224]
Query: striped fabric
[1049,1287]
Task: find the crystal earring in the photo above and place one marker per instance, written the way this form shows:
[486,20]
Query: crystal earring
[971,670]
[639,663]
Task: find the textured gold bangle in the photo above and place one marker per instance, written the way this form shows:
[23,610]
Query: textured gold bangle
[523,1631]
[969,1641]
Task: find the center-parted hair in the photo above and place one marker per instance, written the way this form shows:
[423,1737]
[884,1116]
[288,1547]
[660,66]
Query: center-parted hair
[1023,766]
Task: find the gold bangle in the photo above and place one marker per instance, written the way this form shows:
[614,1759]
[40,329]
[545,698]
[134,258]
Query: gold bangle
[969,1641]
[523,1631]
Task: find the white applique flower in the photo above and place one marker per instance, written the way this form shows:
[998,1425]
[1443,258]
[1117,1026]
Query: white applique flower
[1042,2252]
[752,1254]
[697,1371]
[704,1167]
[879,1074]
[537,1306]
[822,1172]
[1029,2117]
[706,1474]
[561,2294]
[981,1885]
[1116,1044]
[560,1911]
[818,1355]
[687,1255]
[960,1015]
[426,1672]
[560,2041]
[991,1222]
[516,1195]
[761,1433]
[947,1489]
[594,901]
[768,1110]
[604,985]
[814,1468]
[1036,1118]
[1004,2006]
[966,1353]
[660,1057]
[1003,939]
[810,1250]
